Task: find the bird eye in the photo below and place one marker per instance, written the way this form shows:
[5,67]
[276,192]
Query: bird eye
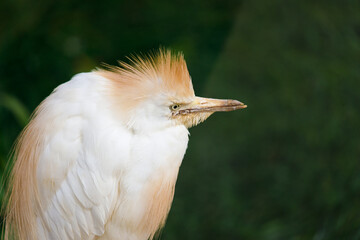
[174,107]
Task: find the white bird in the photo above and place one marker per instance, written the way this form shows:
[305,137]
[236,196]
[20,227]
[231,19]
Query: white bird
[100,157]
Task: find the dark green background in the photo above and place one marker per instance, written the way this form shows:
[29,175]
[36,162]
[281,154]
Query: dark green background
[287,167]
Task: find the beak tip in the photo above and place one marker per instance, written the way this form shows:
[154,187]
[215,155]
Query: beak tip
[239,104]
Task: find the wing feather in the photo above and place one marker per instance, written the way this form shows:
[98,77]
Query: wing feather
[79,208]
[77,195]
[69,194]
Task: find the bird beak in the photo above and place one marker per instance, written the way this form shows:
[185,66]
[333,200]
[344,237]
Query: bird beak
[212,105]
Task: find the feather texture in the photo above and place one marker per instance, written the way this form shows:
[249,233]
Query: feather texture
[147,76]
[81,172]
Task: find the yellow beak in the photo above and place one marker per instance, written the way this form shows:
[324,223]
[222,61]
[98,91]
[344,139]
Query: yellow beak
[212,105]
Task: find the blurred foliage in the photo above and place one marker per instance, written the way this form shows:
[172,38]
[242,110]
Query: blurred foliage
[15,107]
[285,168]
[21,114]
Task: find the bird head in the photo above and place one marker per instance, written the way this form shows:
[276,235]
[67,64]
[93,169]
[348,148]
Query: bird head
[156,91]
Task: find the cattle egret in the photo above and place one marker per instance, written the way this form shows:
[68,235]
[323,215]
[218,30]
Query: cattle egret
[100,157]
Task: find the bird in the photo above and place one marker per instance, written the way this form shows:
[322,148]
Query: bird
[100,156]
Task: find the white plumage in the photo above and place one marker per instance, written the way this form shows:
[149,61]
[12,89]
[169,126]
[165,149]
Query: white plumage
[105,169]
